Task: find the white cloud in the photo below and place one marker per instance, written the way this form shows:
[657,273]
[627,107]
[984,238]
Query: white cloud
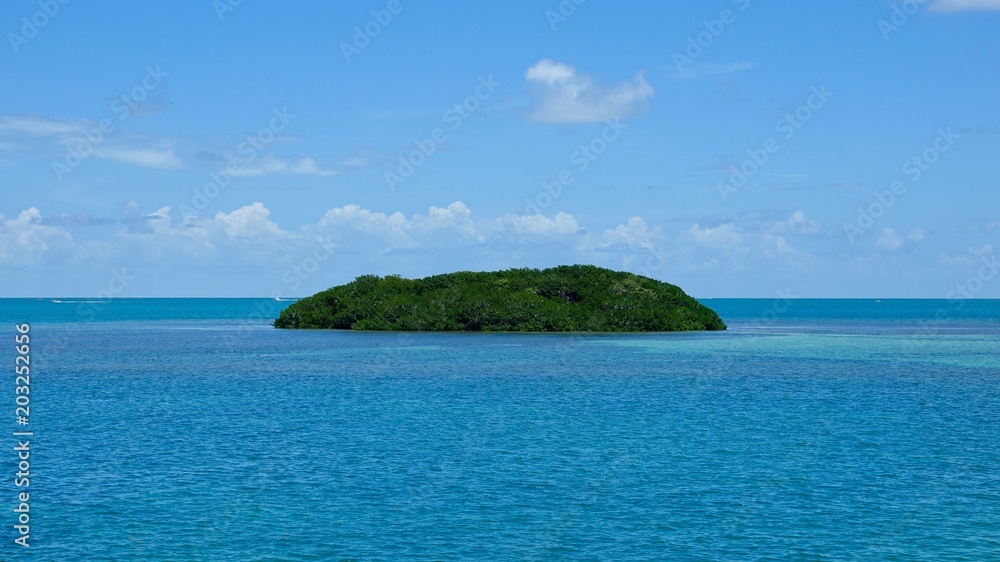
[35,126]
[973,256]
[634,234]
[748,242]
[562,95]
[709,69]
[26,242]
[252,222]
[440,227]
[455,218]
[87,137]
[550,72]
[44,134]
[92,252]
[308,167]
[964,5]
[357,160]
[796,223]
[82,218]
[348,220]
[248,236]
[746,247]
[163,159]
[772,246]
[268,165]
[244,236]
[889,240]
[524,226]
[161,213]
[131,209]
[723,236]
[452,215]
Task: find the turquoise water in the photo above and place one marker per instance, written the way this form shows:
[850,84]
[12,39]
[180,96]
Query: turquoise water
[190,430]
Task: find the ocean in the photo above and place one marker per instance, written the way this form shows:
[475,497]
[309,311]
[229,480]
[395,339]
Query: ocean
[189,429]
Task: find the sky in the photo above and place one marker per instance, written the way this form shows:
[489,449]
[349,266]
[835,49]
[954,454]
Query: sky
[736,148]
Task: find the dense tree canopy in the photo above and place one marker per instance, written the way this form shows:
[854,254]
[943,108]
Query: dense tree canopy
[574,298]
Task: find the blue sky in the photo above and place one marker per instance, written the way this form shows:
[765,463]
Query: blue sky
[737,148]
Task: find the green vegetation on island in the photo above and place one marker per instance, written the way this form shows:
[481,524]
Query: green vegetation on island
[577,298]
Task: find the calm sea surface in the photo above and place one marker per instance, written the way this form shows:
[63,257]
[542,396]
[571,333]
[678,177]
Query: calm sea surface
[189,429]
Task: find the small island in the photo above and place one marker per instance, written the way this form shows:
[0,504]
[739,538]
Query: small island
[577,298]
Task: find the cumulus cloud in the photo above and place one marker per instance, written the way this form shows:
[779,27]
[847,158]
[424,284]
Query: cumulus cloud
[392,229]
[560,94]
[635,234]
[244,236]
[724,236]
[252,222]
[522,227]
[746,245]
[891,240]
[964,5]
[441,227]
[130,210]
[249,236]
[797,223]
[26,241]
[750,238]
